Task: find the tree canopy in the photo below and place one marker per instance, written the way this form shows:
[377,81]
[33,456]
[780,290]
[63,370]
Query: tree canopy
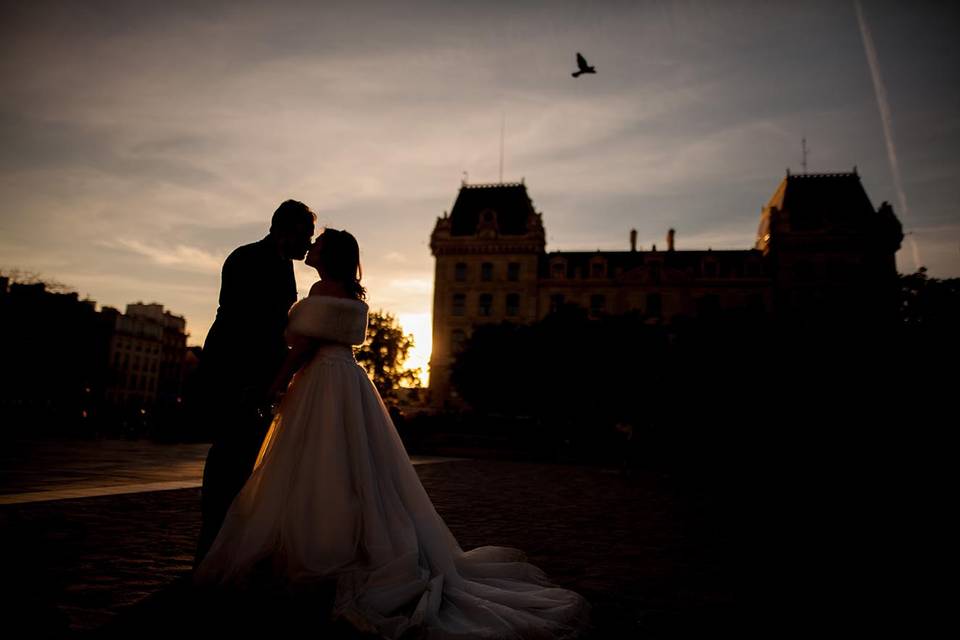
[384,354]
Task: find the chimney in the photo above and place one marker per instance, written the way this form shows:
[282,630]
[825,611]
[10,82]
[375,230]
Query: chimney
[670,237]
[633,239]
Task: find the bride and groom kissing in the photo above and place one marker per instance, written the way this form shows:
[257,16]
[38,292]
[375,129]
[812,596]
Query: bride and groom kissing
[307,481]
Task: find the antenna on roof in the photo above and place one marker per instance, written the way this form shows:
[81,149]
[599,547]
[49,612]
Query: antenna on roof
[503,124]
[803,144]
[464,181]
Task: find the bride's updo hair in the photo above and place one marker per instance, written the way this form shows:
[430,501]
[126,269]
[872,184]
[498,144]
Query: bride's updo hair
[340,259]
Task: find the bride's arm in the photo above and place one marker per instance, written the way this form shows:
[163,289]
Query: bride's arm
[301,350]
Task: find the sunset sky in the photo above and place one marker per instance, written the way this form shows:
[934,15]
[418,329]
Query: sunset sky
[143,141]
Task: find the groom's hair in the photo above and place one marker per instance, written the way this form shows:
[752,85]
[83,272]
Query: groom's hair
[290,215]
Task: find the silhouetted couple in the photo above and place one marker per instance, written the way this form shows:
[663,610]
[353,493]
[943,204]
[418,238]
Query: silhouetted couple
[325,492]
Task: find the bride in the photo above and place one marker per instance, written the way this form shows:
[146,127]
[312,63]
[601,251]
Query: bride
[334,497]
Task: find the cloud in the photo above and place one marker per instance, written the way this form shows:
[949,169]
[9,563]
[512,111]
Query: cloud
[395,256]
[150,141]
[412,285]
[178,256]
[940,247]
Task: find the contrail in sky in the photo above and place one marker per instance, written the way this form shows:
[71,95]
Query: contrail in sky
[887,121]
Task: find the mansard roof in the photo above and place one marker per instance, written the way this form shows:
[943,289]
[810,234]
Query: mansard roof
[509,200]
[823,198]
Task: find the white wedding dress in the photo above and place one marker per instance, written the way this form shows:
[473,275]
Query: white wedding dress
[334,496]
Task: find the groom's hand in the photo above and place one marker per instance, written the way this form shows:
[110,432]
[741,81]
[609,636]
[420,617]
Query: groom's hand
[268,405]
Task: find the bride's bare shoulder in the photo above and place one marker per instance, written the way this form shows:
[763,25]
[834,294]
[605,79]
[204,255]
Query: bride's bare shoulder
[328,290]
[321,288]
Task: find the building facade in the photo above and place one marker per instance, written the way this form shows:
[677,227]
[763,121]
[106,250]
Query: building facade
[68,368]
[146,356]
[820,245]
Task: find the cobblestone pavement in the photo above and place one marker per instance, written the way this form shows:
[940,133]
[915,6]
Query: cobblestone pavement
[34,471]
[654,555]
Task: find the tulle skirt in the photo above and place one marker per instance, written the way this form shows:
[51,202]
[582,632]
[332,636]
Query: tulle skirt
[334,497]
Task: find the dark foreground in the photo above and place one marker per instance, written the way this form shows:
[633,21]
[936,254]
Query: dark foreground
[659,554]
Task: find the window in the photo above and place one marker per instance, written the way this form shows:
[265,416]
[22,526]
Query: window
[558,270]
[457,340]
[513,271]
[710,269]
[513,304]
[486,271]
[556,301]
[598,270]
[460,272]
[486,304]
[654,305]
[753,269]
[597,304]
[459,304]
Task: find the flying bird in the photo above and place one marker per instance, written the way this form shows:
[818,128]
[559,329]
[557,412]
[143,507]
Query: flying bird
[583,66]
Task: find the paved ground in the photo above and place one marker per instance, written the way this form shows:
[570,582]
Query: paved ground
[35,471]
[656,556]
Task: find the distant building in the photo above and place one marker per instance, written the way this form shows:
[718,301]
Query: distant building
[67,368]
[147,352]
[821,248]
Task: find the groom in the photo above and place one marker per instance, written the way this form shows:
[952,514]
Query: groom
[243,353]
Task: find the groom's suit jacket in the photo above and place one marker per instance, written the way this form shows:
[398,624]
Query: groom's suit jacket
[245,346]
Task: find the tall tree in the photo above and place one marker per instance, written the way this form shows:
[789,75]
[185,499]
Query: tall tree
[931,303]
[385,352]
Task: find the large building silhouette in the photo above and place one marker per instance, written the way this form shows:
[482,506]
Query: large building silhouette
[71,369]
[822,252]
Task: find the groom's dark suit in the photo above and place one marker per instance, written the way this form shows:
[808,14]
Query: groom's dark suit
[241,356]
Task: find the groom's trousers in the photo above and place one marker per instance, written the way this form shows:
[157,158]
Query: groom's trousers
[228,466]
